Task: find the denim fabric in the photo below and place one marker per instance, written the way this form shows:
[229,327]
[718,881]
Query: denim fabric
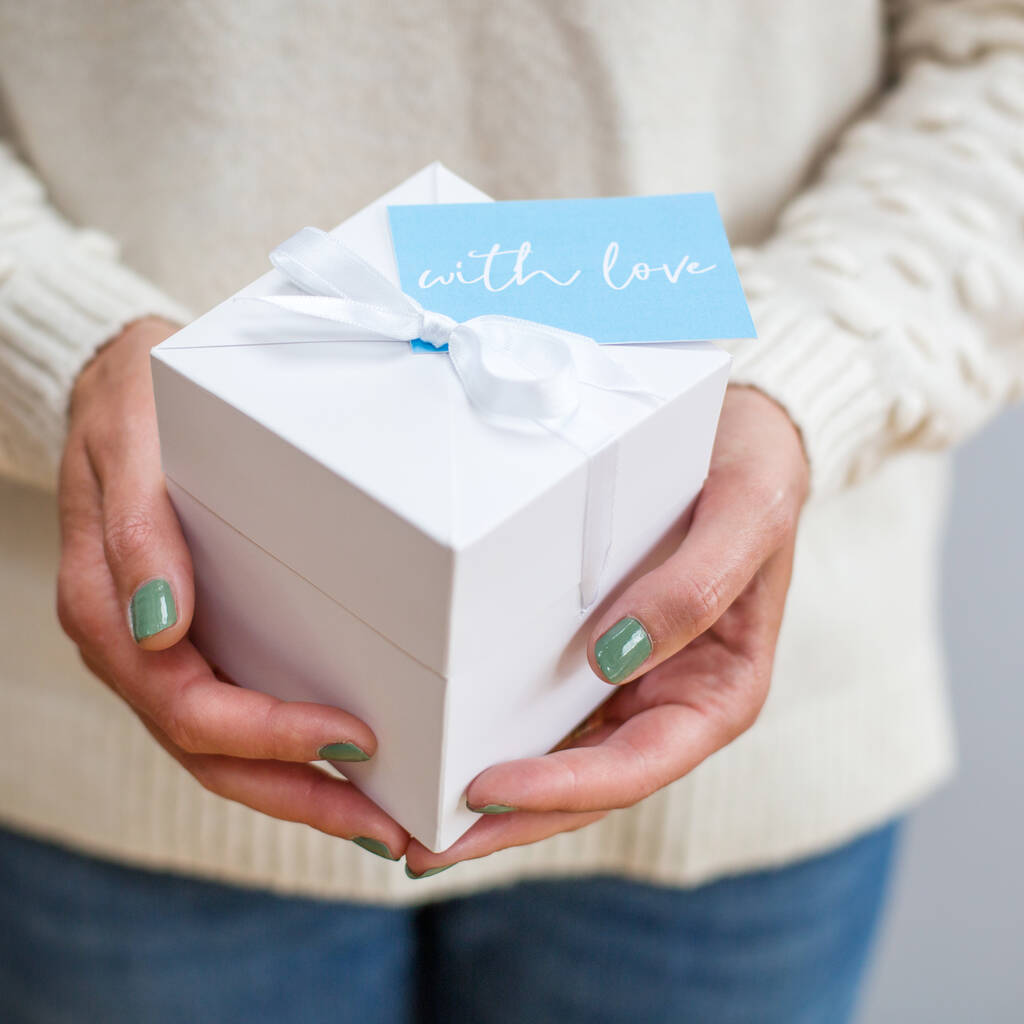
[84,941]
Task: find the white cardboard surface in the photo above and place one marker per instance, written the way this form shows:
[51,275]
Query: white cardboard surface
[403,547]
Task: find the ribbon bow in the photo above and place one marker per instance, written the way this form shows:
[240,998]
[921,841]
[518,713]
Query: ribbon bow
[507,366]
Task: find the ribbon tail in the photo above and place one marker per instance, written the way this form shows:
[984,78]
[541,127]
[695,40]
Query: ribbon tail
[598,521]
[353,321]
[597,368]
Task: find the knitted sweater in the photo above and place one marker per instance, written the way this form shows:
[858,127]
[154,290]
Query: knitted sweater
[871,162]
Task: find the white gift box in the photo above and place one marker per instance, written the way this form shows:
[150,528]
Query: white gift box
[363,537]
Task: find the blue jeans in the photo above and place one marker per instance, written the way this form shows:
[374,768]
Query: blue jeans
[83,940]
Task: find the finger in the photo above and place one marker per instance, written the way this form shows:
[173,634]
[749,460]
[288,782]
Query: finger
[493,834]
[661,727]
[737,524]
[203,715]
[292,792]
[145,548]
[83,580]
[80,503]
[643,754]
[176,688]
[727,671]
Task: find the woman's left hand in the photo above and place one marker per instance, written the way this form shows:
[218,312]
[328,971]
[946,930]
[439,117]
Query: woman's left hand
[707,619]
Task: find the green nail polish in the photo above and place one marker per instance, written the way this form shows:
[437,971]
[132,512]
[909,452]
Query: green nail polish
[152,609]
[623,649]
[492,809]
[374,846]
[428,872]
[342,752]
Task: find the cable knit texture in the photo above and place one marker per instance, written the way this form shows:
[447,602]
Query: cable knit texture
[63,292]
[889,303]
[869,160]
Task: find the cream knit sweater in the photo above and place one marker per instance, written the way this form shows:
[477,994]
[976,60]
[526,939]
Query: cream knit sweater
[885,270]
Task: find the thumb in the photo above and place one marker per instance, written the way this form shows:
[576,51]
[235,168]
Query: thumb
[145,549]
[148,558]
[113,412]
[737,524]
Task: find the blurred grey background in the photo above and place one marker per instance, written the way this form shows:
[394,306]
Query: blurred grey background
[952,946]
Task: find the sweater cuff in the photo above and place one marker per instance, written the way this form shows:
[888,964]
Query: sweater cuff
[56,308]
[819,370]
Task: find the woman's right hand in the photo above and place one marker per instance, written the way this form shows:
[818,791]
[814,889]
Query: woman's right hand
[125,597]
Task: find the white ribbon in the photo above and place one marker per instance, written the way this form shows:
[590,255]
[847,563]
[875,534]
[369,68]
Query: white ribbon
[507,366]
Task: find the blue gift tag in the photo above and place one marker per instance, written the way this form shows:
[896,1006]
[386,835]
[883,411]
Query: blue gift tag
[643,269]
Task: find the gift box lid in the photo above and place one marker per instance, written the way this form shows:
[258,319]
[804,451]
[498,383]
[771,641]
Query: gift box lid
[363,467]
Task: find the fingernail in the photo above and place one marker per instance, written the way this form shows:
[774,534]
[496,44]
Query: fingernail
[623,649]
[374,846]
[491,808]
[342,752]
[152,609]
[428,872]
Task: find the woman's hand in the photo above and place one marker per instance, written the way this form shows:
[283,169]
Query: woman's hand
[125,597]
[689,646]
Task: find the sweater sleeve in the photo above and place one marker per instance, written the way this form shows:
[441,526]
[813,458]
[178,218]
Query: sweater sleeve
[63,292]
[889,302]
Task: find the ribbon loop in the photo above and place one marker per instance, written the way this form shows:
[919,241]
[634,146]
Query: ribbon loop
[319,264]
[514,368]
